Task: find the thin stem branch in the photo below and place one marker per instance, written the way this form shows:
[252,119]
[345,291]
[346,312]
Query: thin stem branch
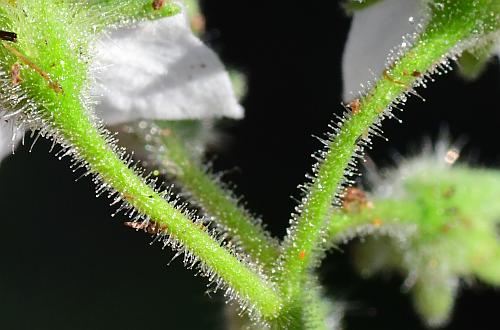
[57,32]
[384,213]
[83,136]
[177,161]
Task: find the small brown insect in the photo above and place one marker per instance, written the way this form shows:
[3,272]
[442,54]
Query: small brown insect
[15,73]
[158,4]
[8,36]
[355,106]
[128,197]
[149,227]
[416,74]
[354,200]
[302,255]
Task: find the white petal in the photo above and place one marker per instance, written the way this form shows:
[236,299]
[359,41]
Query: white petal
[7,139]
[160,70]
[375,31]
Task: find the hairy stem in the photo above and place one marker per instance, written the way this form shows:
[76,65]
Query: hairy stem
[453,24]
[124,11]
[54,36]
[177,161]
[82,135]
[382,214]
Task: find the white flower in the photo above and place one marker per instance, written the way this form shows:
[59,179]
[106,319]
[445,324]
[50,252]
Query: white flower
[6,142]
[160,70]
[154,70]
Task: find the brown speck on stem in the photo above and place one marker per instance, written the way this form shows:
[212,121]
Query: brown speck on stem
[15,73]
[354,200]
[158,4]
[355,106]
[446,228]
[129,197]
[416,74]
[149,227]
[302,255]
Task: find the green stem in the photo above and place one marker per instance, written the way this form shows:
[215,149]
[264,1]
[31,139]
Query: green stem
[114,12]
[453,24]
[384,213]
[52,36]
[90,145]
[214,199]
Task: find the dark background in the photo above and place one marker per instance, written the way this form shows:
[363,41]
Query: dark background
[66,264]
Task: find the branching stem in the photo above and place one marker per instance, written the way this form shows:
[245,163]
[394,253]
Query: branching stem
[81,134]
[458,22]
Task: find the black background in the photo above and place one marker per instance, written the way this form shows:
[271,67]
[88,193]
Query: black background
[66,264]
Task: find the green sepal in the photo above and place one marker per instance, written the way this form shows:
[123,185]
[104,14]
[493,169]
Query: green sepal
[455,215]
[434,300]
[473,63]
